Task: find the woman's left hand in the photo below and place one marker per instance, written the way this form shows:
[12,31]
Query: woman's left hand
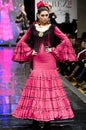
[34,53]
[48,49]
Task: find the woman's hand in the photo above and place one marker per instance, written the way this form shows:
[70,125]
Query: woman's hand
[34,53]
[47,49]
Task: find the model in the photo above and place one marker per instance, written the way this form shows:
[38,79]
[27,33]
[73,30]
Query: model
[43,97]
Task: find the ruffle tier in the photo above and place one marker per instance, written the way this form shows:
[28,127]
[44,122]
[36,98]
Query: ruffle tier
[43,98]
[22,52]
[65,52]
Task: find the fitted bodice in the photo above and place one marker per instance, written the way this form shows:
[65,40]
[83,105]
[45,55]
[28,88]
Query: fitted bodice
[44,60]
[47,38]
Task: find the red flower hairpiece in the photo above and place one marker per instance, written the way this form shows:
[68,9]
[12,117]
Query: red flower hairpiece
[42,4]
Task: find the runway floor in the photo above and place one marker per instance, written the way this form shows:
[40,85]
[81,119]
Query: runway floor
[12,78]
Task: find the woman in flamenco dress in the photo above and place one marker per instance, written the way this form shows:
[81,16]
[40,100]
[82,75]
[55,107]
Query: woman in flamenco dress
[6,32]
[43,98]
[21,19]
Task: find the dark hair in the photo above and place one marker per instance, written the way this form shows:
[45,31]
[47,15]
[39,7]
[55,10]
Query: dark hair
[42,9]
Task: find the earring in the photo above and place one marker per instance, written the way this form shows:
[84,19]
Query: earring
[49,22]
[38,22]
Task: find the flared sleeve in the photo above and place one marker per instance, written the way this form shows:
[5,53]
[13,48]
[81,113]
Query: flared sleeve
[64,51]
[23,52]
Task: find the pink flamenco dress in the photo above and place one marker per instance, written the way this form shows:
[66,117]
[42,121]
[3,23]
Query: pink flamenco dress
[43,97]
[6,32]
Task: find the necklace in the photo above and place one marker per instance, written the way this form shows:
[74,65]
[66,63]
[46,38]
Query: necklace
[40,34]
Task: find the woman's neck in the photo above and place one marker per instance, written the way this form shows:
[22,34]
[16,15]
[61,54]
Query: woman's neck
[23,12]
[43,25]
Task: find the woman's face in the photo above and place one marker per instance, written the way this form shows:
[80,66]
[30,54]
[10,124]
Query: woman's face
[43,17]
[83,44]
[22,8]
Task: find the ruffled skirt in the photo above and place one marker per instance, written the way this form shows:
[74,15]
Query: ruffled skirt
[43,97]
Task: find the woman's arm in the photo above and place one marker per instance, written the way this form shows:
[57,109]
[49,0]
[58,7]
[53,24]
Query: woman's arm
[64,51]
[23,52]
[60,34]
